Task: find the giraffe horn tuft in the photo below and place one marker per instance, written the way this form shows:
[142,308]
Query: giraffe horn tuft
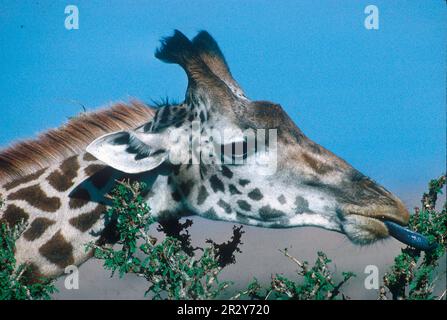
[175,49]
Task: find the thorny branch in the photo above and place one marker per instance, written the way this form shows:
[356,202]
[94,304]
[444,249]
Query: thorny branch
[413,274]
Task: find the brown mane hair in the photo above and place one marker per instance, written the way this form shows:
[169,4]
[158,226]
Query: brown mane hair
[71,138]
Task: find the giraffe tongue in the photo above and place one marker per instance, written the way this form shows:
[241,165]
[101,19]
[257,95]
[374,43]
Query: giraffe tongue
[411,238]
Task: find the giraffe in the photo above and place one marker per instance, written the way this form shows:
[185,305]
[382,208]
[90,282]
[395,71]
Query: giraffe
[58,182]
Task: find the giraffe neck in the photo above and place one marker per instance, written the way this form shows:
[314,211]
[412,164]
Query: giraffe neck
[56,222]
[55,187]
[64,207]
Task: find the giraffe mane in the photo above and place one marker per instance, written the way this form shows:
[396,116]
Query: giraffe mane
[25,157]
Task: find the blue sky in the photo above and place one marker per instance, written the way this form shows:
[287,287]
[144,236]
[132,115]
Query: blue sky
[374,97]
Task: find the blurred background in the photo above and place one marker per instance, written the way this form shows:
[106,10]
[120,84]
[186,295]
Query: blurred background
[374,97]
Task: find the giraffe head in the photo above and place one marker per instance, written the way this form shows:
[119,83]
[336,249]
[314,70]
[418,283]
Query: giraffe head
[233,159]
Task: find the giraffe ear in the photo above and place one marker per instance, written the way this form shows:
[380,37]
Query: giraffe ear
[128,151]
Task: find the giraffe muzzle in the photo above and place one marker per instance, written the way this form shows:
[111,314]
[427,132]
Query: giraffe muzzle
[396,222]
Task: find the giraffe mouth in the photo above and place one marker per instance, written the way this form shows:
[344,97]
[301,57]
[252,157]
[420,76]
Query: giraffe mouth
[397,228]
[366,227]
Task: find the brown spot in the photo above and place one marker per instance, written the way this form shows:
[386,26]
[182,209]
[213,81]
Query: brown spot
[79,198]
[37,228]
[217,184]
[58,251]
[37,198]
[85,221]
[282,199]
[268,213]
[317,166]
[14,215]
[210,214]
[227,172]
[301,205]
[93,168]
[255,194]
[99,174]
[25,179]
[62,179]
[244,205]
[234,190]
[88,157]
[224,205]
